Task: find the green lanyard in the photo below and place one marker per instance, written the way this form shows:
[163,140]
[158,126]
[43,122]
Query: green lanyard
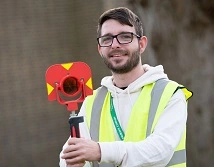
[115,120]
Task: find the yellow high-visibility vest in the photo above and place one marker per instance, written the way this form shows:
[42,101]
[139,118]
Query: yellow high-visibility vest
[153,98]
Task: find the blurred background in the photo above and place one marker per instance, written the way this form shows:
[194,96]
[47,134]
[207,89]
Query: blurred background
[37,34]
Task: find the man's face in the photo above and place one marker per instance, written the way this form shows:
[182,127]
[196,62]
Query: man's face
[120,58]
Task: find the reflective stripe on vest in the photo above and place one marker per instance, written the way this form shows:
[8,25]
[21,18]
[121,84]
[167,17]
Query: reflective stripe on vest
[179,157]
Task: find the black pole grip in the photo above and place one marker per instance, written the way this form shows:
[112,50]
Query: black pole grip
[74,125]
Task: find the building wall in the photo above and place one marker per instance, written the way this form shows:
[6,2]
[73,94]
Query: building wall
[33,36]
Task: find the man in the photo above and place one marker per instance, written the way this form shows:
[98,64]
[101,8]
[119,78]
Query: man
[142,116]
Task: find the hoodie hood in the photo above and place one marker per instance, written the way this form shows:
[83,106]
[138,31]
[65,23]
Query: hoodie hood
[151,75]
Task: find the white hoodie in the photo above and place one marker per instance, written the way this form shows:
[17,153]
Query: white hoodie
[157,149]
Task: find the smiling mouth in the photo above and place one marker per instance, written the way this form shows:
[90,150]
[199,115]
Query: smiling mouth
[118,53]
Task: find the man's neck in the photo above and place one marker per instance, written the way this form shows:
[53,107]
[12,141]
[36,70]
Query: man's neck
[124,80]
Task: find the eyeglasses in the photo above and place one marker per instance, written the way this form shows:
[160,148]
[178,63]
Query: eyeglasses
[122,38]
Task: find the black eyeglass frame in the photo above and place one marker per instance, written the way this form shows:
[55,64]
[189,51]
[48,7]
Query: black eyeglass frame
[115,36]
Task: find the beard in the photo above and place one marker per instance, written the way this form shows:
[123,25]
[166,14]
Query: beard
[130,64]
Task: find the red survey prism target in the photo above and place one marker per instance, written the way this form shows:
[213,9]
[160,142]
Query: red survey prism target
[69,83]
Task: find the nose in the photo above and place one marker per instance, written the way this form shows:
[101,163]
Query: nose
[115,43]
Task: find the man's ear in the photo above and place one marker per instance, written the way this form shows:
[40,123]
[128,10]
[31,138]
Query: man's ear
[143,43]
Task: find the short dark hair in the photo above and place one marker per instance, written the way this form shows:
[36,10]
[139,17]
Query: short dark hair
[122,15]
